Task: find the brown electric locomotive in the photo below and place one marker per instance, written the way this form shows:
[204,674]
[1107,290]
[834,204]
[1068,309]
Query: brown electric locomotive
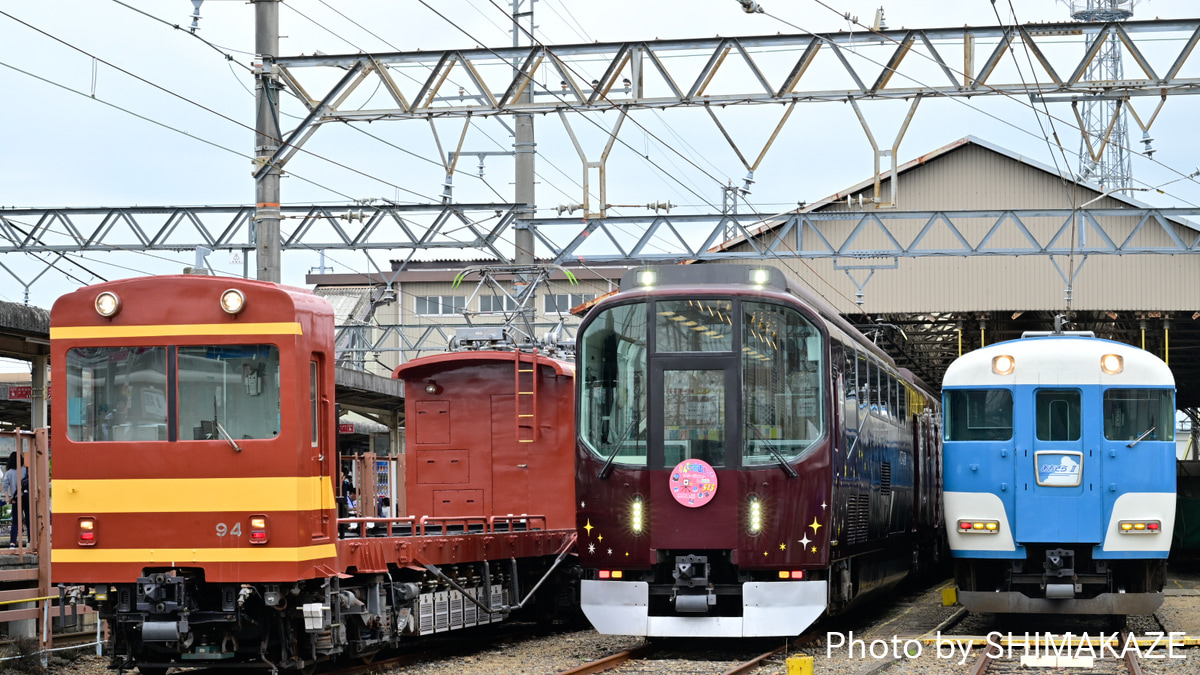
[194,473]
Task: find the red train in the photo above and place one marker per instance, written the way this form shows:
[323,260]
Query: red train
[194,473]
[747,460]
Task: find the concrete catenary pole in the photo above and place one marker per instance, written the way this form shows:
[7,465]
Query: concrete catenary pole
[266,140]
[524,146]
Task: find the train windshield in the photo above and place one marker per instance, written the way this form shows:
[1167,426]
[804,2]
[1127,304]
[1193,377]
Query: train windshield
[979,415]
[128,393]
[1130,414]
[117,394]
[734,383]
[781,369]
[612,405]
[234,386]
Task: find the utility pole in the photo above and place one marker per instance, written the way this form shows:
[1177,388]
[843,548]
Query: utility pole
[524,146]
[266,139]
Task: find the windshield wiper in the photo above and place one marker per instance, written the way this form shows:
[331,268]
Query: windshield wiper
[607,468]
[1139,438]
[791,471]
[220,429]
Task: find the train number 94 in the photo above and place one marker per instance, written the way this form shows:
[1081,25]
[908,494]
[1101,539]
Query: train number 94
[223,529]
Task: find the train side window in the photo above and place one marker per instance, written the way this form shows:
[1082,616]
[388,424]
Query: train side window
[1130,413]
[117,394]
[864,380]
[235,386]
[314,400]
[878,393]
[612,369]
[849,379]
[893,397]
[1058,414]
[979,415]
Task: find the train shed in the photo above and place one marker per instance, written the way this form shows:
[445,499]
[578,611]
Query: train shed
[992,256]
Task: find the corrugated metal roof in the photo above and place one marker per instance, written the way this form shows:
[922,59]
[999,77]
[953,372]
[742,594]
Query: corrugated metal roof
[347,301]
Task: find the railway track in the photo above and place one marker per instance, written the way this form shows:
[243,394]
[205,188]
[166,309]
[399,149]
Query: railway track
[649,658]
[1062,652]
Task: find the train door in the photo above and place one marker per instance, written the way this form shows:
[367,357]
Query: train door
[694,413]
[510,458]
[1062,492]
[322,483]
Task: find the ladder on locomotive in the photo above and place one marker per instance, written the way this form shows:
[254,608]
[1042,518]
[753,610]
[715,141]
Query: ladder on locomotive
[526,401]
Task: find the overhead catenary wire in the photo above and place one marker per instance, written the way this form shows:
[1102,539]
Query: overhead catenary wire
[189,101]
[1066,122]
[668,146]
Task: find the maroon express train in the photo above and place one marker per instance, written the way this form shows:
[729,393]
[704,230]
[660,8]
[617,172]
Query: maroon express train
[746,459]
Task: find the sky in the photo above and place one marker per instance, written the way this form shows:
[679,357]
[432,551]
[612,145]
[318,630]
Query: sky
[75,131]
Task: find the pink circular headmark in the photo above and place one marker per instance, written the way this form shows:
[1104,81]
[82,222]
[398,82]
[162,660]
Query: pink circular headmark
[693,483]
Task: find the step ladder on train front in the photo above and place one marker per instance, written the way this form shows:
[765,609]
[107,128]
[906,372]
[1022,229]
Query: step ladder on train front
[526,382]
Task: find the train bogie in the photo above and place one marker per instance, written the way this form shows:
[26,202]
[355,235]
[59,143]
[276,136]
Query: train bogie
[1060,475]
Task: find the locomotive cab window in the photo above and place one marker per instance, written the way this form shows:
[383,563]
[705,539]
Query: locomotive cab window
[1058,415]
[979,415]
[782,357]
[172,393]
[1131,413]
[117,394]
[235,387]
[612,403]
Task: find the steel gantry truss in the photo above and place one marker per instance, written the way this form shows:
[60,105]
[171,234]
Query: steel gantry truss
[631,239]
[651,74]
[715,72]
[903,234]
[182,228]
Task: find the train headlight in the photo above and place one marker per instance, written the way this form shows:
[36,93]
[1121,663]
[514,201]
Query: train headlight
[759,277]
[232,301]
[755,516]
[258,529]
[637,517]
[87,532]
[1112,364]
[646,277]
[108,304]
[1003,364]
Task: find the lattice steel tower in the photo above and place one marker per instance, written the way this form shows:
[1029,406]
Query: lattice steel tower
[1103,152]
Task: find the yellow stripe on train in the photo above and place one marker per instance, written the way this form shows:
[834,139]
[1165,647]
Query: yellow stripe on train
[99,332]
[173,556]
[192,495]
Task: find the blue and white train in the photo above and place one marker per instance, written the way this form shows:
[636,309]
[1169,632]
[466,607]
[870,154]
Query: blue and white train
[1059,470]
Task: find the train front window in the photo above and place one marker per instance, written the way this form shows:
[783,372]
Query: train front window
[979,415]
[693,326]
[228,388]
[1058,415]
[613,376]
[781,364]
[1130,414]
[117,394]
